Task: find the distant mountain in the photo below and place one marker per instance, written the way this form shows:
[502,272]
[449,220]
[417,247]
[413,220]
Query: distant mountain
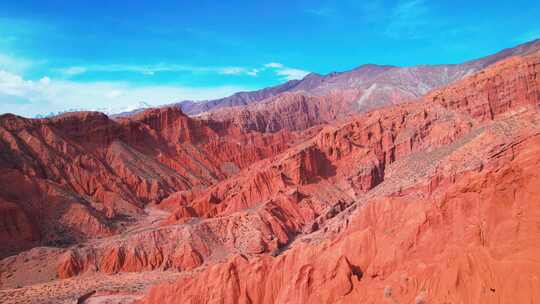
[324,99]
[245,98]
[381,84]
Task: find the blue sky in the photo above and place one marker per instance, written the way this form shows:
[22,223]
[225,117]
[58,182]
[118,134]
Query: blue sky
[110,55]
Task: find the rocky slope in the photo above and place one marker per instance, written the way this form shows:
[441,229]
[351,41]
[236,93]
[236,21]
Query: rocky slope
[441,208]
[86,168]
[473,242]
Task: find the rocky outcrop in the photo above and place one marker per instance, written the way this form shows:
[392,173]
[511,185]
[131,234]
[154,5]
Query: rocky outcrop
[86,168]
[496,91]
[16,230]
[352,156]
[189,244]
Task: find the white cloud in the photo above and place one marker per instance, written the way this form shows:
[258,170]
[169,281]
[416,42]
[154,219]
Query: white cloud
[30,98]
[279,69]
[292,74]
[14,65]
[71,71]
[253,72]
[274,65]
[155,68]
[233,71]
[286,73]
[113,94]
[45,80]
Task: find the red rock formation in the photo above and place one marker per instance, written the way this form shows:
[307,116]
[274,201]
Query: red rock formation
[431,201]
[86,168]
[290,111]
[495,91]
[473,242]
[437,204]
[16,230]
[305,187]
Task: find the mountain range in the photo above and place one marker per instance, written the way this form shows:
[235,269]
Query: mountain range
[380,84]
[381,184]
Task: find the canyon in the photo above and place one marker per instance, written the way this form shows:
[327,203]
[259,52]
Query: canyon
[377,185]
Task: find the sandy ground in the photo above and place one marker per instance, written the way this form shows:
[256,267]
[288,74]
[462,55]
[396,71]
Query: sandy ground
[119,288]
[30,277]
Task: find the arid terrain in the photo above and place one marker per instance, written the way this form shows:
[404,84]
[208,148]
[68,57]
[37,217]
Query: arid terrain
[377,185]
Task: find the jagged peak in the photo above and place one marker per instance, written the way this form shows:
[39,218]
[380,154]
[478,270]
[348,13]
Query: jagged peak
[12,121]
[153,112]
